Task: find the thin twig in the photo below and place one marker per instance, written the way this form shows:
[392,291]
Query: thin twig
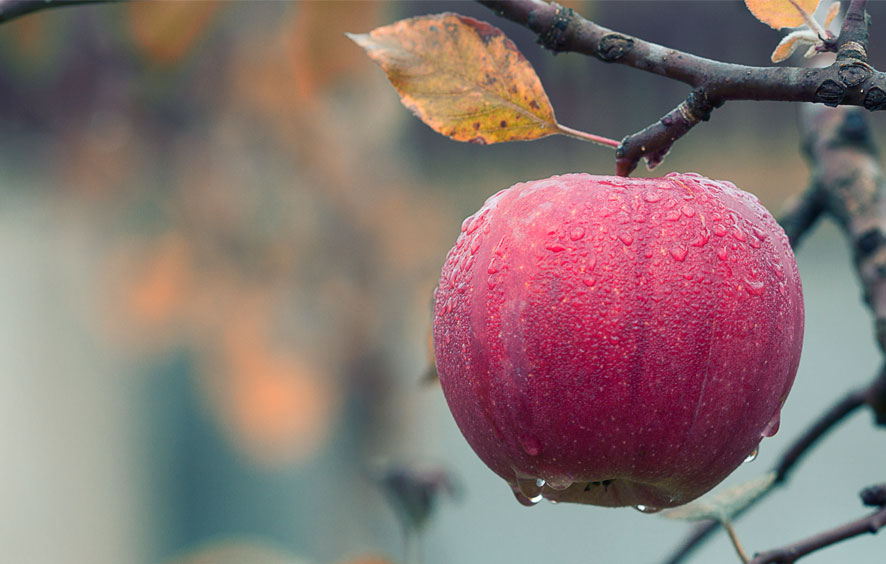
[787,555]
[733,536]
[849,81]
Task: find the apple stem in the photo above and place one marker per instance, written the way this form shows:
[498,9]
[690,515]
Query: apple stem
[599,140]
[733,536]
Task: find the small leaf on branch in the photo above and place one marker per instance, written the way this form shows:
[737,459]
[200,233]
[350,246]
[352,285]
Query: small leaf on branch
[724,505]
[778,14]
[791,41]
[465,79]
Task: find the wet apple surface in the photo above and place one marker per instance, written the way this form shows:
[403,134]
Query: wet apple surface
[616,341]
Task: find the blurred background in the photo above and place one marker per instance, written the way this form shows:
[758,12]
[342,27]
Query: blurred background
[219,237]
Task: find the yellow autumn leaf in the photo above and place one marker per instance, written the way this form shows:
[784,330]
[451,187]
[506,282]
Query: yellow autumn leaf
[462,77]
[778,14]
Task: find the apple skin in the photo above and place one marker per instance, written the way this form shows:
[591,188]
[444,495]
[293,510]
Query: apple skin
[616,341]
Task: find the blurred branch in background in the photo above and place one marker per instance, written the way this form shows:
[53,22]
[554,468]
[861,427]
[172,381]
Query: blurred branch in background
[11,9]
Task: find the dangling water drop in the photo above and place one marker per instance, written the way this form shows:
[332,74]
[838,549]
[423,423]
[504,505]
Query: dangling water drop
[524,500]
[753,456]
[528,489]
[559,483]
[772,427]
[646,509]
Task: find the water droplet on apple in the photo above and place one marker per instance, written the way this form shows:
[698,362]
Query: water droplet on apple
[688,211]
[772,427]
[719,230]
[556,247]
[524,499]
[626,238]
[531,445]
[527,489]
[652,196]
[721,253]
[577,233]
[559,483]
[753,455]
[475,244]
[703,237]
[739,235]
[646,509]
[466,223]
[679,253]
[754,287]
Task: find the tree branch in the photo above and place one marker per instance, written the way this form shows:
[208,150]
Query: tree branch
[849,81]
[868,524]
[11,9]
[850,184]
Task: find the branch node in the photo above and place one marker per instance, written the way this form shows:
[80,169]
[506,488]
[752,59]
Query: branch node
[554,37]
[614,46]
[875,99]
[698,106]
[874,496]
[854,73]
[868,242]
[830,93]
[853,50]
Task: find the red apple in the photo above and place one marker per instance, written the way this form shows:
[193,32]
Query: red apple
[617,341]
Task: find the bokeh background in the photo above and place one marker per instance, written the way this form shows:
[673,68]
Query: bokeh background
[219,236]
